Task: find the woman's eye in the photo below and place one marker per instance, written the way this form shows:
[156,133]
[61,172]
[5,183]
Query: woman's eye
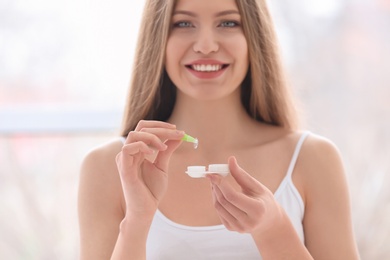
[229,24]
[182,24]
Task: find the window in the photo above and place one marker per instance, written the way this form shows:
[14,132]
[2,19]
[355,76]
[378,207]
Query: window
[64,74]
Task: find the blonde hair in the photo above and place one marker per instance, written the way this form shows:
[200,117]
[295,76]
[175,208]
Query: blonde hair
[152,94]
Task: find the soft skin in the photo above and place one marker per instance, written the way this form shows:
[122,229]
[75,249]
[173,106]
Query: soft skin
[202,35]
[103,204]
[122,185]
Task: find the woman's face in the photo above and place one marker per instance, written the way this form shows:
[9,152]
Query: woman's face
[207,53]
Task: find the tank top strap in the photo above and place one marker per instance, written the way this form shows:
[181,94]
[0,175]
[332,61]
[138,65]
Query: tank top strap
[296,154]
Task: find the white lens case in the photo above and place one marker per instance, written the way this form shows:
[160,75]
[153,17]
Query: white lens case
[200,171]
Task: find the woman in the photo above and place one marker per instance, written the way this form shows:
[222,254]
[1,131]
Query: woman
[211,69]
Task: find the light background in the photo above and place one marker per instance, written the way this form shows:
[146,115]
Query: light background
[64,73]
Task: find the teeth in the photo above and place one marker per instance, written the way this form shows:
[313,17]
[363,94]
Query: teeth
[206,68]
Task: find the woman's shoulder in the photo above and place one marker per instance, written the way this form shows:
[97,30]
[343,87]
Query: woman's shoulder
[100,160]
[105,151]
[100,196]
[319,149]
[320,164]
[313,146]
[315,151]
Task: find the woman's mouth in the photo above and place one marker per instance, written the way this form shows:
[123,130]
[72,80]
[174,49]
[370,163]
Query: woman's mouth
[207,71]
[207,67]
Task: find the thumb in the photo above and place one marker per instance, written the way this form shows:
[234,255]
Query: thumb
[244,179]
[163,157]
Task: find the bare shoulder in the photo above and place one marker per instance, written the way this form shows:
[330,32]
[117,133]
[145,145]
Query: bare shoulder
[319,153]
[327,219]
[320,167]
[103,155]
[98,173]
[100,201]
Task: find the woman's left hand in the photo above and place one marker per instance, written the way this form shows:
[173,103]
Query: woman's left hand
[252,210]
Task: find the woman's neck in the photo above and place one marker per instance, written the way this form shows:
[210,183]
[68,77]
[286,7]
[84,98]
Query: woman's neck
[214,123]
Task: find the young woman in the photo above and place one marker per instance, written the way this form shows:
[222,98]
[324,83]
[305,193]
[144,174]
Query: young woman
[211,69]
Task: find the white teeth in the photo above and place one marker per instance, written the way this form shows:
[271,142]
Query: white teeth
[206,68]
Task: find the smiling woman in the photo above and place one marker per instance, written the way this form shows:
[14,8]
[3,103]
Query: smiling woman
[211,69]
[64,72]
[210,49]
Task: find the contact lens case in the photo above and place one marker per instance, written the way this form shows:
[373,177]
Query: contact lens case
[200,171]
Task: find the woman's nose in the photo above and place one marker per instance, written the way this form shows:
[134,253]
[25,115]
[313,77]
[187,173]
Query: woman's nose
[206,42]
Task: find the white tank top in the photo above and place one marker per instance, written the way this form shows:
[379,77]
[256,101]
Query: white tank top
[168,240]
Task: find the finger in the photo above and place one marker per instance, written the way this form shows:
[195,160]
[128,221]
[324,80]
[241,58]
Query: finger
[163,157]
[231,217]
[136,147]
[245,180]
[223,215]
[165,134]
[147,138]
[228,193]
[153,124]
[132,156]
[224,204]
[226,223]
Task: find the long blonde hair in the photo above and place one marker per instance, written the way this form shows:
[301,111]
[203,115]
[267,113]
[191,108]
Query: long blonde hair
[152,94]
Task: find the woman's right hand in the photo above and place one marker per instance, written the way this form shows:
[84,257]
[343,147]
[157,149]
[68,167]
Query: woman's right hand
[143,165]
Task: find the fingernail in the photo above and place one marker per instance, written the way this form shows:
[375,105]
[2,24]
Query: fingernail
[178,132]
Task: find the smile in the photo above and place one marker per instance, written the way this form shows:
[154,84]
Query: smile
[207,67]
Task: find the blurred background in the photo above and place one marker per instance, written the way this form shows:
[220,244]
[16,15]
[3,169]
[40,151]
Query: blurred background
[64,73]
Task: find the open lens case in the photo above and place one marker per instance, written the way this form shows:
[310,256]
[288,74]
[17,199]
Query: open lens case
[200,171]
